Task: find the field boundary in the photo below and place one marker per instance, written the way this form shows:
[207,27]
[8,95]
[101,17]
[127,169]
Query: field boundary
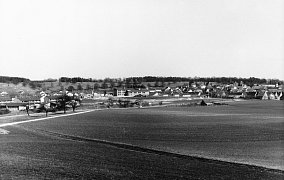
[52,117]
[45,118]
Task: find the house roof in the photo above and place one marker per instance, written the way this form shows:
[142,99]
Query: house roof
[16,104]
[32,98]
[120,89]
[275,90]
[151,93]
[235,93]
[191,93]
[260,93]
[250,93]
[136,90]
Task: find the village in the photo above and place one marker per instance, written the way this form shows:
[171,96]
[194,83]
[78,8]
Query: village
[190,91]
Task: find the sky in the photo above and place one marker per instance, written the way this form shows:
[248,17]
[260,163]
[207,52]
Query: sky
[42,39]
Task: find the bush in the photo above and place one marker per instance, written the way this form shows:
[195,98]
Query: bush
[4,111]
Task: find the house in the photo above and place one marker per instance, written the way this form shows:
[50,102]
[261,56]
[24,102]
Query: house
[176,94]
[4,109]
[281,96]
[3,93]
[192,94]
[30,99]
[249,94]
[262,95]
[16,106]
[234,95]
[154,93]
[271,96]
[278,95]
[119,92]
[108,93]
[168,89]
[202,86]
[221,94]
[186,94]
[134,92]
[258,87]
[98,94]
[83,95]
[266,95]
[213,83]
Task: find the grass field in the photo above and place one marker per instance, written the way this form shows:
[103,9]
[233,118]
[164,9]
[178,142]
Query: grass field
[247,132]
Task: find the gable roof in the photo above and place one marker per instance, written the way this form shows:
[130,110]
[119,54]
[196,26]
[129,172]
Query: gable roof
[31,98]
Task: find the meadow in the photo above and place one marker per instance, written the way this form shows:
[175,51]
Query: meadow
[249,133]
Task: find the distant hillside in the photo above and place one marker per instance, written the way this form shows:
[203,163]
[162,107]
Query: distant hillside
[13,80]
[16,89]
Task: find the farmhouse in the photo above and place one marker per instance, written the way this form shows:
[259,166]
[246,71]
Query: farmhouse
[16,106]
[31,99]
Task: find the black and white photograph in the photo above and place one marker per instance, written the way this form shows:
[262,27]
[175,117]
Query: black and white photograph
[142,89]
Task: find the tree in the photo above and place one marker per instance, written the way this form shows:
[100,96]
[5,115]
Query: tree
[104,85]
[96,86]
[24,83]
[32,85]
[156,84]
[88,87]
[70,88]
[163,84]
[119,84]
[112,84]
[79,87]
[15,81]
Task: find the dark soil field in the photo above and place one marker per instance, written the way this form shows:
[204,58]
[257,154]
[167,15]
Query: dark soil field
[243,140]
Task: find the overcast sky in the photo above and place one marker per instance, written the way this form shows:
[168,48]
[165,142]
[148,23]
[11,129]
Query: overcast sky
[42,39]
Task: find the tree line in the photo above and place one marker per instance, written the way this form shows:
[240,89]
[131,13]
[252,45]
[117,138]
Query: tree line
[75,79]
[13,80]
[222,80]
[137,81]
